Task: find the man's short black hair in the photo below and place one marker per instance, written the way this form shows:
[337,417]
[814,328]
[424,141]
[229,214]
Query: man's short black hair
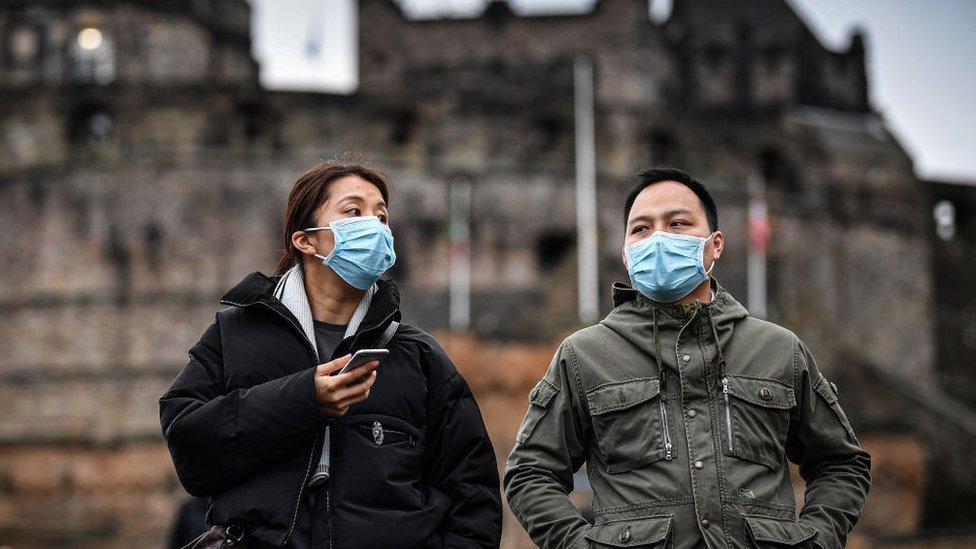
[657,175]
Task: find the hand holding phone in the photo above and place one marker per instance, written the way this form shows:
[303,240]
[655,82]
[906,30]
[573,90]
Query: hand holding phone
[363,356]
[337,393]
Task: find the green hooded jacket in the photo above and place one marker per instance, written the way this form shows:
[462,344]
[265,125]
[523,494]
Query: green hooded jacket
[692,453]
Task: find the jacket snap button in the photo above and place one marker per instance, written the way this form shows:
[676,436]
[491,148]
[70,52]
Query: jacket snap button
[686,358]
[692,413]
[621,396]
[624,536]
[533,394]
[765,393]
[699,465]
[705,523]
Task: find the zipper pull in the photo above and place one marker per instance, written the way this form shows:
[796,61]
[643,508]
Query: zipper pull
[667,451]
[725,385]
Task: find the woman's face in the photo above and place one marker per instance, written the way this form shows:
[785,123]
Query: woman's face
[349,196]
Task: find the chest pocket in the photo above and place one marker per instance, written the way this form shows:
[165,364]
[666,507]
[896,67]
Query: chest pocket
[629,423]
[757,419]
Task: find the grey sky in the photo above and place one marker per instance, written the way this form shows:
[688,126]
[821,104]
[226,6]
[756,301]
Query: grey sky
[920,59]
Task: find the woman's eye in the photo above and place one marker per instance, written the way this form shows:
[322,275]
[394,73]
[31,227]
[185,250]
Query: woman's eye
[354,211]
[382,219]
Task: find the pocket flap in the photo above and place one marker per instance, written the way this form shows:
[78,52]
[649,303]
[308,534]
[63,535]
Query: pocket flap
[826,390]
[621,394]
[765,392]
[631,532]
[782,531]
[543,393]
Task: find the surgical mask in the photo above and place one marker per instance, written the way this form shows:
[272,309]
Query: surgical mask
[666,267]
[363,249]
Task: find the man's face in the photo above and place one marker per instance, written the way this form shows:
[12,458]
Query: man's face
[670,207]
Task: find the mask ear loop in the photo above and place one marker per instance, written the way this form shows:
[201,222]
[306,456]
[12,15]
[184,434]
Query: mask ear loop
[323,258]
[712,266]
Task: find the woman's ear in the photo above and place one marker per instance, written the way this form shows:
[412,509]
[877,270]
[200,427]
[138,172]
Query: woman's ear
[299,239]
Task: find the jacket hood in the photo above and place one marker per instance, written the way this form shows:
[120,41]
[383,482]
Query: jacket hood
[634,314]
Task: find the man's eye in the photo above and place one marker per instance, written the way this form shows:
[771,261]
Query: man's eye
[639,229]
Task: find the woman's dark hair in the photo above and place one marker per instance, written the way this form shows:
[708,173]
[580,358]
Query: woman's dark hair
[311,191]
[658,175]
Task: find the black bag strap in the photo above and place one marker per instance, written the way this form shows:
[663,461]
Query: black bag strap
[387,335]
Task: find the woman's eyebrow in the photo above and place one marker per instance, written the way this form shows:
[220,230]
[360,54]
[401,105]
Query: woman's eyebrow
[358,198]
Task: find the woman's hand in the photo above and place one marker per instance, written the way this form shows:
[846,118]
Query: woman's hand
[337,393]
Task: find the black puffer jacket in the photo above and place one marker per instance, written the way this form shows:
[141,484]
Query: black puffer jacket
[244,428]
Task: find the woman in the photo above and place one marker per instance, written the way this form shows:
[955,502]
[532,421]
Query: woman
[393,454]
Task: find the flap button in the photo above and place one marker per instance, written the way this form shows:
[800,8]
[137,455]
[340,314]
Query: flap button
[624,536]
[765,393]
[621,396]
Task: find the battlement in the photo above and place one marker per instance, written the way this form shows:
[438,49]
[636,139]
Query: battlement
[708,55]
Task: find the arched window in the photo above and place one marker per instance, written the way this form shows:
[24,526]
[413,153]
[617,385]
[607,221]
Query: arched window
[945,219]
[662,148]
[92,56]
[89,124]
[23,46]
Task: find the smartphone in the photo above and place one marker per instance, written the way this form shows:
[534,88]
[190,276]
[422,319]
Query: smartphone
[363,356]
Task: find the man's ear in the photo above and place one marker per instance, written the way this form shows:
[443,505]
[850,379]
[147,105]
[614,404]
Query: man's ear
[718,241]
[623,258]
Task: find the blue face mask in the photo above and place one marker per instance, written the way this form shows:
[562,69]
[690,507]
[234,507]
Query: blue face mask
[363,249]
[666,267]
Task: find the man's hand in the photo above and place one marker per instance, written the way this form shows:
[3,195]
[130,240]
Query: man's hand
[337,393]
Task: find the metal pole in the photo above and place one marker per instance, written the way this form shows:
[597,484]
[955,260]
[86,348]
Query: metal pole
[460,295]
[758,244]
[586,192]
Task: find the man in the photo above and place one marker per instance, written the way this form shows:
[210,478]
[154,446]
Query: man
[684,409]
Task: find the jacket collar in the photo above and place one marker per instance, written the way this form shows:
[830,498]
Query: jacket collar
[286,294]
[634,317]
[623,293]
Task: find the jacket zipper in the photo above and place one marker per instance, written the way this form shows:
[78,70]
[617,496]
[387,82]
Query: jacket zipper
[311,453]
[311,456]
[667,430]
[728,412]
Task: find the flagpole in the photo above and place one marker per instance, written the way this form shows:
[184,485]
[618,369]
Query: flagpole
[586,220]
[459,230]
[759,235]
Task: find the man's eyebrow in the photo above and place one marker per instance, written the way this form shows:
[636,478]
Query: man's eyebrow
[667,214]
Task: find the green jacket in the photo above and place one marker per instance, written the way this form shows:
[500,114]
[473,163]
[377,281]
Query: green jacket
[692,454]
